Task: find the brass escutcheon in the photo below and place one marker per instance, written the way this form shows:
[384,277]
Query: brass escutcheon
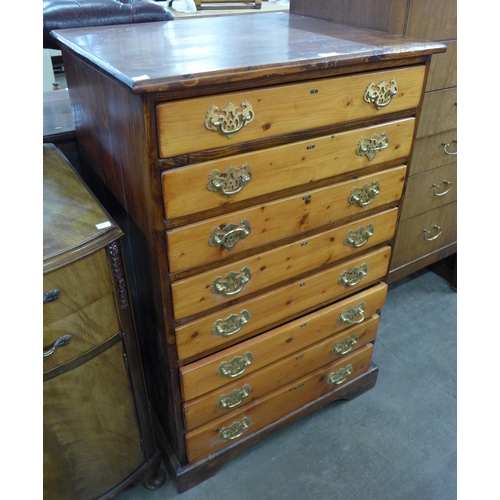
[231,325]
[381,94]
[231,181]
[234,398]
[351,314]
[336,378]
[359,237]
[230,118]
[227,236]
[345,345]
[233,283]
[364,195]
[236,366]
[427,232]
[235,430]
[354,276]
[370,146]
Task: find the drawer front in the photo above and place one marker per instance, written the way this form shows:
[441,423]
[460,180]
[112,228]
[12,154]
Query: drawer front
[412,240]
[79,284]
[430,190]
[268,310]
[87,328]
[238,279]
[431,20]
[187,126]
[439,112]
[234,363]
[220,237]
[434,151]
[443,69]
[256,385]
[223,182]
[253,417]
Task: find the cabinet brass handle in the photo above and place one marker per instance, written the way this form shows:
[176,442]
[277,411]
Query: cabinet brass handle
[236,366]
[351,314]
[437,186]
[235,430]
[345,345]
[336,378]
[231,181]
[62,341]
[227,236]
[359,237]
[229,119]
[427,232]
[51,296]
[446,144]
[234,398]
[231,325]
[370,146]
[353,276]
[381,94]
[364,195]
[232,283]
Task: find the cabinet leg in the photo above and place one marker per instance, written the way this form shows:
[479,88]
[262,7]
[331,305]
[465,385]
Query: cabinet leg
[156,480]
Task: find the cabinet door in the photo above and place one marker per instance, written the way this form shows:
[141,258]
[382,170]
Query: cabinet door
[91,437]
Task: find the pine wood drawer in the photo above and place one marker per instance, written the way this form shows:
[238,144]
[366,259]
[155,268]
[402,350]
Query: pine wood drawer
[439,112]
[443,69]
[434,151]
[196,244]
[201,377]
[222,285]
[411,242]
[225,181]
[241,422]
[281,109]
[430,190]
[239,393]
[265,311]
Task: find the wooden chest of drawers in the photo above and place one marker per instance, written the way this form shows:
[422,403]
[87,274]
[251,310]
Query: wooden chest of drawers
[259,191]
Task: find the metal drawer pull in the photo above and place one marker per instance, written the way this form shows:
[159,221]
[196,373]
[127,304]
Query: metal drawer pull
[228,236]
[51,296]
[354,276]
[351,314]
[364,195]
[229,119]
[234,398]
[236,366]
[446,144]
[426,232]
[336,378]
[437,186]
[60,342]
[231,181]
[235,430]
[359,237]
[381,94]
[233,283]
[345,345]
[370,146]
[231,325]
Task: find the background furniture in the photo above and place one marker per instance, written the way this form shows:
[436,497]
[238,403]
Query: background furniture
[259,192]
[427,232]
[97,431]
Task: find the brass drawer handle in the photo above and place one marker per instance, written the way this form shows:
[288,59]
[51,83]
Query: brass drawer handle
[236,366]
[351,314]
[364,195]
[234,398]
[353,276]
[437,186]
[446,144]
[381,94]
[228,236]
[426,232]
[51,296]
[336,378]
[359,237]
[62,341]
[233,283]
[231,181]
[231,325]
[345,345]
[370,146]
[235,430]
[229,119]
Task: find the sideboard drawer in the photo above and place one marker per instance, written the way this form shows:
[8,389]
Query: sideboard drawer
[225,181]
[187,125]
[439,112]
[207,241]
[240,423]
[443,69]
[433,151]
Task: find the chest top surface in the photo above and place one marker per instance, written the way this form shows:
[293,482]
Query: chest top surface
[151,57]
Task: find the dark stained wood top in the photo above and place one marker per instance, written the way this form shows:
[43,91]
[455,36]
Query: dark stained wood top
[57,117]
[152,57]
[71,214]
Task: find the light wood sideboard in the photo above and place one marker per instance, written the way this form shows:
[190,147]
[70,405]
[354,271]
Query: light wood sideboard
[259,192]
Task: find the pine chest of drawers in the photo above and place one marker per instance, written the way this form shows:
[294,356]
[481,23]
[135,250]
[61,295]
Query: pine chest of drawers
[258,184]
